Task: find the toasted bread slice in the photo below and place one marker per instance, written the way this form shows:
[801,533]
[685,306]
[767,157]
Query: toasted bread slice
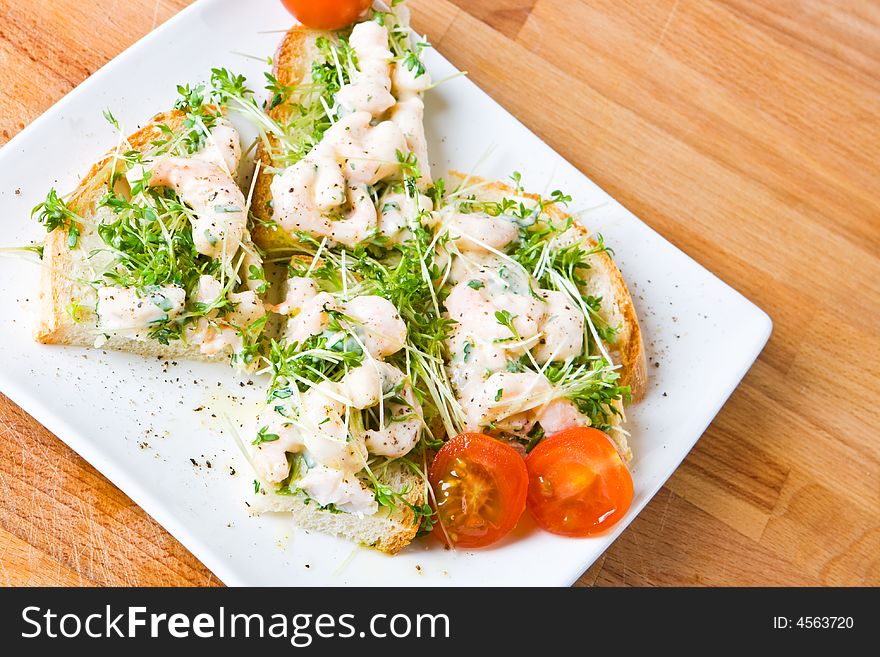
[605,281]
[65,305]
[387,530]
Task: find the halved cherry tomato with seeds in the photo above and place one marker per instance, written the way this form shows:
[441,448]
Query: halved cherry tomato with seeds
[480,487]
[578,483]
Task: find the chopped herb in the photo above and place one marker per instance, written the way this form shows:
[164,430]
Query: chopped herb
[263,436]
[504,318]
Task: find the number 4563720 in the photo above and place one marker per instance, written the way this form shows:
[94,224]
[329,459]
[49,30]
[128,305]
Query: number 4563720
[814,623]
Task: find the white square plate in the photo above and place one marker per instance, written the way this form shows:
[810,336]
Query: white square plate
[135,420]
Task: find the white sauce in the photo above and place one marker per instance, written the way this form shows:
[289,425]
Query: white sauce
[409,114]
[299,290]
[270,458]
[345,491]
[360,221]
[562,328]
[312,318]
[477,231]
[366,152]
[505,400]
[561,414]
[324,434]
[475,308]
[373,320]
[407,84]
[122,310]
[209,289]
[400,431]
[247,308]
[377,324]
[215,334]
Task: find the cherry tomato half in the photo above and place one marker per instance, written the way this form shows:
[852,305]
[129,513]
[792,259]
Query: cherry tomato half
[578,484]
[327,14]
[480,487]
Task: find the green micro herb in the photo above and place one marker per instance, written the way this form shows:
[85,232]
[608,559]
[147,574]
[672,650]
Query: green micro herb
[535,436]
[412,60]
[54,214]
[199,117]
[280,93]
[258,274]
[30,248]
[517,182]
[409,166]
[75,310]
[108,115]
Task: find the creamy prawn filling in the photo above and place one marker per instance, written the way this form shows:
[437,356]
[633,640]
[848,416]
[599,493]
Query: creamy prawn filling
[502,317]
[409,115]
[398,212]
[328,192]
[213,333]
[128,311]
[334,427]
[204,182]
[372,321]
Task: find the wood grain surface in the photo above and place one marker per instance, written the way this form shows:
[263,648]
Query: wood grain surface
[744,131]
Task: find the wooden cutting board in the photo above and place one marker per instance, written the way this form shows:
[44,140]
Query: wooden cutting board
[744,131]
